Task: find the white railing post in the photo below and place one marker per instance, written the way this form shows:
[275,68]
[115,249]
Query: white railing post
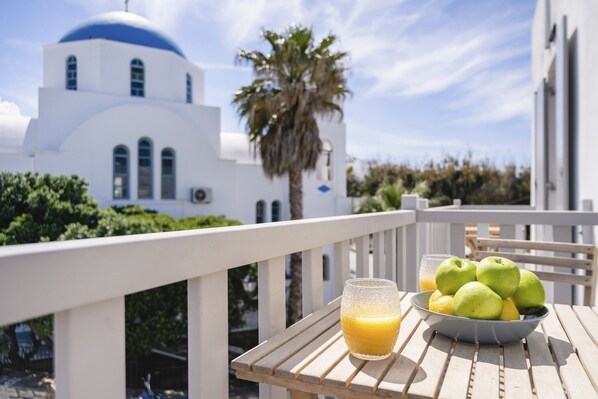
[424,229]
[508,231]
[390,254]
[271,311]
[89,350]
[587,237]
[457,233]
[312,281]
[563,293]
[362,252]
[341,266]
[587,232]
[207,309]
[412,254]
[401,259]
[378,249]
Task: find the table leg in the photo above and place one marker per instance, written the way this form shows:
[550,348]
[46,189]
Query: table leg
[302,395]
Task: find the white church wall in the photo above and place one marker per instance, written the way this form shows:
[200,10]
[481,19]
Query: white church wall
[251,186]
[104,66]
[15,163]
[62,111]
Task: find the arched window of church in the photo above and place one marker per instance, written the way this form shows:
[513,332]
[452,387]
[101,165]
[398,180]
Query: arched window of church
[325,161]
[168,176]
[137,78]
[276,211]
[189,89]
[120,173]
[144,169]
[71,73]
[260,211]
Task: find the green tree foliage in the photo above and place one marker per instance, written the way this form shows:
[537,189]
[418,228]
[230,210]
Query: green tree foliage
[36,208]
[442,181]
[298,81]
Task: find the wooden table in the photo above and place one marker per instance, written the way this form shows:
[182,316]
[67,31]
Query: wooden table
[558,360]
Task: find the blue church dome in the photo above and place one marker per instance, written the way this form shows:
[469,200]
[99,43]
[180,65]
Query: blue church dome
[123,27]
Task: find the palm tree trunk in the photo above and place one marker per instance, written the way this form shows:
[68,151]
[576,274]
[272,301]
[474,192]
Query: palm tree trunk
[296,202]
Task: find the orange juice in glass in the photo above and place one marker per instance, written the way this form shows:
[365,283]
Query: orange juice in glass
[427,270]
[370,317]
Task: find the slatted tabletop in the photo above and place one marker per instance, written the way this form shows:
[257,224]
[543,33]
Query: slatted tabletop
[558,360]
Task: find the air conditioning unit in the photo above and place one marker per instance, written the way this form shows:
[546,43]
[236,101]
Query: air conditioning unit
[201,195]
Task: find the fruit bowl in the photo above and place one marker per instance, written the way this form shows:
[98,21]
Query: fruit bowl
[474,330]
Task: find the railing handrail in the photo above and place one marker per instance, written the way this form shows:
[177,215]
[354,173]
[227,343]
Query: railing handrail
[63,275]
[515,216]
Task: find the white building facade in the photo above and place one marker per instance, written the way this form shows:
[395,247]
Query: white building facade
[564,65]
[123,108]
[131,119]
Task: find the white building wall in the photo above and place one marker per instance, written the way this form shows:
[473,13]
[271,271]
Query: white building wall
[582,31]
[104,66]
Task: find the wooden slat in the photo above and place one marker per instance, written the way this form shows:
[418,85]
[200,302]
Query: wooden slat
[538,245]
[544,373]
[292,366]
[458,373]
[369,376]
[343,372]
[564,278]
[486,376]
[586,348]
[430,371]
[517,383]
[589,319]
[245,361]
[572,373]
[316,371]
[559,261]
[267,364]
[405,366]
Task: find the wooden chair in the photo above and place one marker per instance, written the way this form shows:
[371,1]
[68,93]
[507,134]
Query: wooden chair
[471,235]
[563,256]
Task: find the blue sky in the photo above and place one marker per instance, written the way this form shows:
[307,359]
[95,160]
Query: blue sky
[429,77]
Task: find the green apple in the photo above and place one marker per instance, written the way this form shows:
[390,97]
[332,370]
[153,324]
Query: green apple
[452,273]
[477,301]
[530,295]
[500,274]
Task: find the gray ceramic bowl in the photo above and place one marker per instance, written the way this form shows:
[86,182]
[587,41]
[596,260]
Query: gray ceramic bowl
[476,331]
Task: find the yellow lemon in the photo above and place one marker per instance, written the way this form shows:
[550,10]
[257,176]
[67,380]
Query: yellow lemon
[509,311]
[435,295]
[443,304]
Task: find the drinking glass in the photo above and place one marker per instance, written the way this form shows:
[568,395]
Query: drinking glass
[427,270]
[370,317]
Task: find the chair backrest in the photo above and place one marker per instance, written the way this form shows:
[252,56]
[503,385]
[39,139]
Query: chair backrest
[563,255]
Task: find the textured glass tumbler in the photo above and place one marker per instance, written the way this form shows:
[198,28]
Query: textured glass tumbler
[427,270]
[370,317]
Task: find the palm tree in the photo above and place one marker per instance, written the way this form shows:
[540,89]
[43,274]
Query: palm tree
[297,82]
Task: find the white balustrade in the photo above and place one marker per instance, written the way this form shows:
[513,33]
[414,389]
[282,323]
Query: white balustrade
[84,282]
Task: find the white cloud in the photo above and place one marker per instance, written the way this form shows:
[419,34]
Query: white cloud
[408,48]
[8,108]
[222,66]
[494,96]
[164,13]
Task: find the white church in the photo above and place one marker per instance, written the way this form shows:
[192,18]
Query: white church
[123,108]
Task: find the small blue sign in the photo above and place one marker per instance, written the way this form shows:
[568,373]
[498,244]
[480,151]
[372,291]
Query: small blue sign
[324,188]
